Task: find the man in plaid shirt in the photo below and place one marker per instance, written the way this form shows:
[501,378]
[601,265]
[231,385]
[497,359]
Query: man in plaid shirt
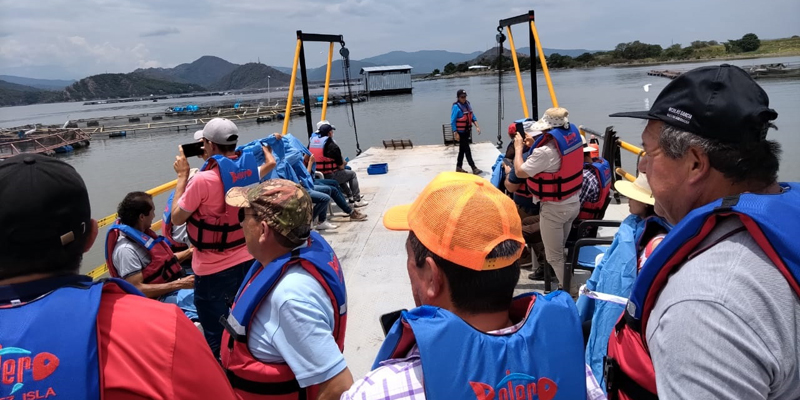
[468,276]
[590,190]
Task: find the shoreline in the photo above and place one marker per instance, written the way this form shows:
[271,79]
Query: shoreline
[617,65]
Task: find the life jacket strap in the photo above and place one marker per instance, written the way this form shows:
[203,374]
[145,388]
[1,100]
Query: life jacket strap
[617,380]
[164,272]
[265,388]
[224,229]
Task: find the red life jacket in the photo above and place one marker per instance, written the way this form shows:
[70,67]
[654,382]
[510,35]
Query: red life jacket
[223,232]
[316,145]
[602,170]
[628,368]
[465,121]
[251,378]
[163,267]
[566,182]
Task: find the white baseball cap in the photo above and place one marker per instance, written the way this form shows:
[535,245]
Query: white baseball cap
[198,135]
[221,131]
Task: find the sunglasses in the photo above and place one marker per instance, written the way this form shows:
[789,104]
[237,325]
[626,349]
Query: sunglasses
[462,97]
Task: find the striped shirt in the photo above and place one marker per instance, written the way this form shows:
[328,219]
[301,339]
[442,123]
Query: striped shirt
[401,378]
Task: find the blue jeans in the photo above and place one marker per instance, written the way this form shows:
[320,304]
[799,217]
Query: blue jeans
[333,190]
[213,297]
[320,201]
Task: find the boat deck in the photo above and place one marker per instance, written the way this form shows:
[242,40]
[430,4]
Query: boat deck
[374,258]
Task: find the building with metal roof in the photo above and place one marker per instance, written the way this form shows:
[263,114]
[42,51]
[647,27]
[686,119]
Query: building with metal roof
[385,80]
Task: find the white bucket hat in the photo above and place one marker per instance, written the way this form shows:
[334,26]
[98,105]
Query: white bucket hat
[552,118]
[638,190]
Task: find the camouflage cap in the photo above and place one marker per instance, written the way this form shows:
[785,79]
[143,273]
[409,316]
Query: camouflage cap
[284,205]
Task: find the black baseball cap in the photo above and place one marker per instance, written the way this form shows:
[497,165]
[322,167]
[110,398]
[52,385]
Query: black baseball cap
[717,102]
[45,207]
[326,129]
[461,92]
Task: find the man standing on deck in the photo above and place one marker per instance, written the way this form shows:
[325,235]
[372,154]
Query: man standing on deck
[716,304]
[63,336]
[285,333]
[461,119]
[220,260]
[554,170]
[468,338]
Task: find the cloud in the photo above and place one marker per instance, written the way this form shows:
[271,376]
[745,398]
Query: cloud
[4,34]
[161,32]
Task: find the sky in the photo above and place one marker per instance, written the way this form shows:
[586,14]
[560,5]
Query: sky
[71,39]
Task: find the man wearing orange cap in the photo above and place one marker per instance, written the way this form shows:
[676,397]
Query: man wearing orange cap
[468,337]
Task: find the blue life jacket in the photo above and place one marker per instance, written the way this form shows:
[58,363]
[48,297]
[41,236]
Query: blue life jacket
[222,232]
[163,267]
[602,171]
[48,346]
[566,182]
[615,275]
[246,373]
[770,219]
[240,172]
[543,358]
[498,173]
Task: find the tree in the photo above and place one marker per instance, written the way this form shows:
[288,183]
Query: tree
[463,67]
[558,61]
[585,58]
[436,72]
[749,42]
[637,50]
[449,68]
[674,51]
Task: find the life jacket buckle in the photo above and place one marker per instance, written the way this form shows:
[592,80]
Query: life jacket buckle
[610,366]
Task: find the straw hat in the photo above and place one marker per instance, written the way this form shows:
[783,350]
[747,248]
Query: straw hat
[552,118]
[638,190]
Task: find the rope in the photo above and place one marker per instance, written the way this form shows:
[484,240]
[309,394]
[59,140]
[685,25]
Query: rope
[345,53]
[500,106]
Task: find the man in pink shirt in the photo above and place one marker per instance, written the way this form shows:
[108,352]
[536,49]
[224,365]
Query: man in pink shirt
[220,260]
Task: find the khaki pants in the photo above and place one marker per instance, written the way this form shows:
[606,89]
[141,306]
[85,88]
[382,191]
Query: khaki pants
[555,223]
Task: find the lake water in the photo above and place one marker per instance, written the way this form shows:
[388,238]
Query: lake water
[114,167]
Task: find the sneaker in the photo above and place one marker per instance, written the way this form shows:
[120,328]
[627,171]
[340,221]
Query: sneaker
[360,203]
[459,169]
[325,226]
[357,216]
[476,171]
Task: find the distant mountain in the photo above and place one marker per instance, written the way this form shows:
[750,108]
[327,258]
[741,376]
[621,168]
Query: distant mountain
[285,70]
[205,71]
[45,84]
[12,94]
[318,74]
[251,76]
[423,61]
[563,52]
[107,86]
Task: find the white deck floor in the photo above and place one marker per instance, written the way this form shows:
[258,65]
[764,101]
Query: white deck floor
[374,258]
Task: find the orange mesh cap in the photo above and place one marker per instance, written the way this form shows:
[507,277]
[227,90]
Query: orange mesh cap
[461,218]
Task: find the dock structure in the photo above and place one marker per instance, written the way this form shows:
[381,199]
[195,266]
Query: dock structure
[42,141]
[665,73]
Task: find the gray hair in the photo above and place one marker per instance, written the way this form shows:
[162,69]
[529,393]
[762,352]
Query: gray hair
[755,161]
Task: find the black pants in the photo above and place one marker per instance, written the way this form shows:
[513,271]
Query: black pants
[463,149]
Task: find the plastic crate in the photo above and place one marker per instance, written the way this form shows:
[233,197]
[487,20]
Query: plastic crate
[377,169]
